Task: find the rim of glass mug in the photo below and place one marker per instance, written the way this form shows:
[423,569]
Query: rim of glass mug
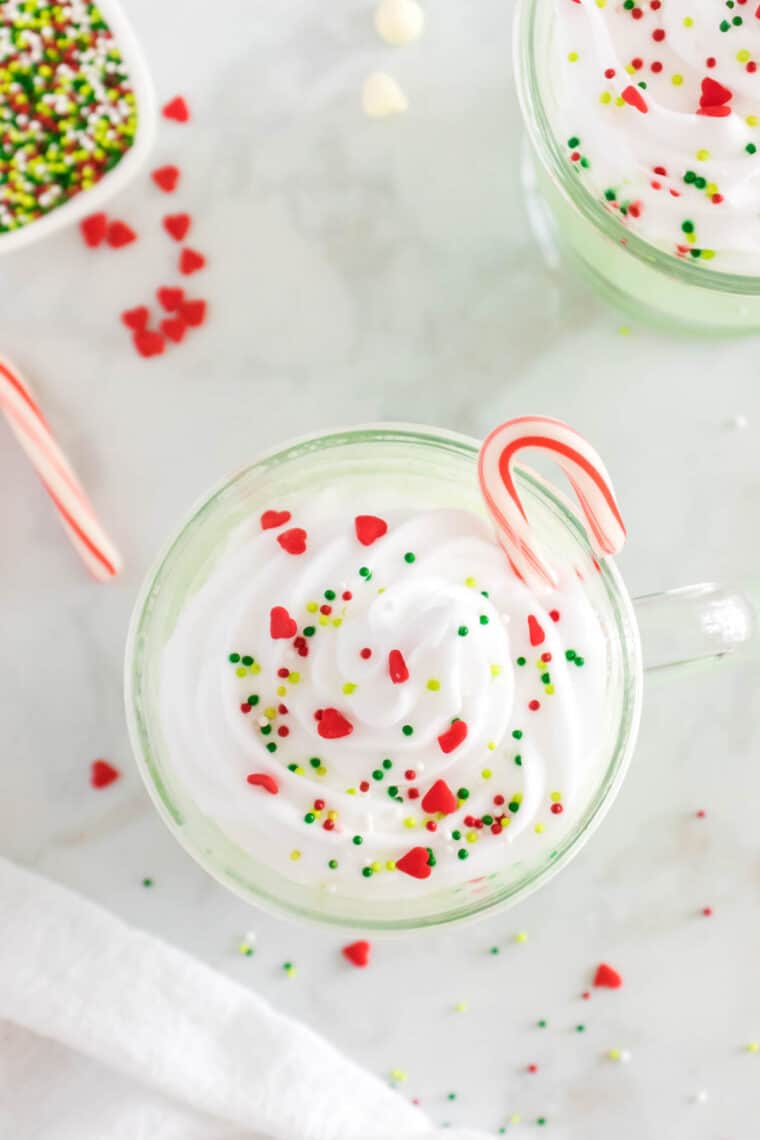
[527,30]
[238,870]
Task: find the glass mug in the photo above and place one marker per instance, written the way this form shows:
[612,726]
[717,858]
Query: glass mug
[630,272]
[429,468]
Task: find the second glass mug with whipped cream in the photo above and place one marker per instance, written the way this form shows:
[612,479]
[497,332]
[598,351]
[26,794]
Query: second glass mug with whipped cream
[354,698]
[644,124]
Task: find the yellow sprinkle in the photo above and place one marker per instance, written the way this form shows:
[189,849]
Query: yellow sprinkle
[472,837]
[312,607]
[743,56]
[390,865]
[294,678]
[410,822]
[752,120]
[624,330]
[614,1054]
[433,685]
[688,22]
[350,791]
[255,669]
[461,1007]
[398,1075]
[241,671]
[491,746]
[505,823]
[321,770]
[517,798]
[702,155]
[270,713]
[298,770]
[295,855]
[495,670]
[381,589]
[337,622]
[332,814]
[539,828]
[620,102]
[471,582]
[349,688]
[323,619]
[281,691]
[605,97]
[486,773]
[521,936]
[691,238]
[676,80]
[573,56]
[753,1047]
[376,867]
[549,689]
[555,797]
[631,70]
[515,1118]
[708,254]
[711,188]
[244,948]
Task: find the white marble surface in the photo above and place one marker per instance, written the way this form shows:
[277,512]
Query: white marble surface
[363,270]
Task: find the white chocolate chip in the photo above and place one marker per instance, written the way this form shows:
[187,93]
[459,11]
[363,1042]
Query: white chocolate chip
[382,96]
[399,21]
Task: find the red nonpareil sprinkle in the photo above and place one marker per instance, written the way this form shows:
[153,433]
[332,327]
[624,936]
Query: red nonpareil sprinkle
[357,953]
[554,615]
[716,199]
[369,528]
[285,672]
[265,781]
[176,225]
[586,995]
[245,707]
[609,73]
[546,658]
[170,297]
[658,35]
[415,863]
[633,97]
[271,519]
[102,774]
[452,737]
[176,109]
[606,977]
[440,798]
[346,595]
[325,609]
[333,725]
[701,813]
[281,624]
[534,705]
[319,805]
[707,911]
[293,541]
[714,94]
[635,209]
[710,61]
[93,229]
[194,312]
[636,13]
[431,825]
[535,632]
[498,800]
[166,178]
[137,318]
[173,328]
[148,342]
[364,786]
[413,794]
[283,709]
[557,809]
[397,667]
[656,66]
[751,67]
[532,1068]
[365,654]
[190,261]
[637,63]
[119,234]
[661,170]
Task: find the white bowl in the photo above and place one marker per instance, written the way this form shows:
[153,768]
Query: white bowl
[88,201]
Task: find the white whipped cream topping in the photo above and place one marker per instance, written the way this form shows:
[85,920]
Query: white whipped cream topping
[705,208]
[416,591]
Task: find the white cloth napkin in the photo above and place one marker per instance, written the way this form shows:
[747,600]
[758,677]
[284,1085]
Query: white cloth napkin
[107,1033]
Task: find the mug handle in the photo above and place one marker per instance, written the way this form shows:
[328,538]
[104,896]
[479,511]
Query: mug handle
[694,623]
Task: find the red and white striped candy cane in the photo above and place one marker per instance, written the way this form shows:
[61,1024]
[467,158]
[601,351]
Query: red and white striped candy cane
[76,512]
[585,471]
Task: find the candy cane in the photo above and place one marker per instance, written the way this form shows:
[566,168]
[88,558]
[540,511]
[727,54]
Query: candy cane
[585,471]
[77,515]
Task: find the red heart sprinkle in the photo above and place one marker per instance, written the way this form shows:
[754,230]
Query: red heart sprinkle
[293,541]
[148,342]
[170,298]
[166,178]
[176,225]
[136,319]
[194,312]
[119,234]
[440,798]
[271,519]
[415,863]
[633,97]
[176,109]
[190,261]
[453,737]
[357,953]
[265,781]
[102,774]
[369,528]
[714,94]
[714,112]
[397,667]
[94,229]
[281,624]
[174,328]
[606,976]
[333,725]
[535,632]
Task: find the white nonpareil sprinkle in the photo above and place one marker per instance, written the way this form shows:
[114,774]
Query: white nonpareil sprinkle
[382,96]
[399,22]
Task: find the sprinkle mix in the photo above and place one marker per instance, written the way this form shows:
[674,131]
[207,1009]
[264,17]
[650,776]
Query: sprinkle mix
[67,110]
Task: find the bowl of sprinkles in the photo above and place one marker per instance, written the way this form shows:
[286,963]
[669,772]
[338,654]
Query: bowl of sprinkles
[362,688]
[643,119]
[76,113]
